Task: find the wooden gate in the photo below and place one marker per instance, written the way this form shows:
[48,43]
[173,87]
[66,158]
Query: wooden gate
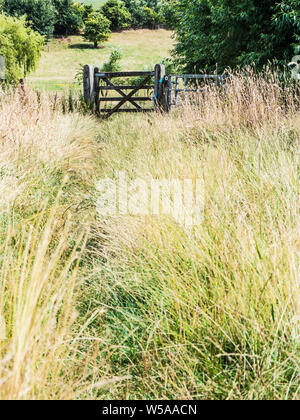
[98,87]
[163,91]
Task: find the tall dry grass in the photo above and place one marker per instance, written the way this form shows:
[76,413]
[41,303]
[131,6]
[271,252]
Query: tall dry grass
[143,307]
[47,163]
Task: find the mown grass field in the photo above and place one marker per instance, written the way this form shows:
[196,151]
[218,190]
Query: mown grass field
[62,58]
[137,307]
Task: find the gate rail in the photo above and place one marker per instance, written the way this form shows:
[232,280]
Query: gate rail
[173,85]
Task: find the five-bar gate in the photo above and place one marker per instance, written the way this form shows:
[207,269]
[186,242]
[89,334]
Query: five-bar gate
[101,88]
[161,90]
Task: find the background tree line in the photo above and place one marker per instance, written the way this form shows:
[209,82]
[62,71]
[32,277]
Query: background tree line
[65,17]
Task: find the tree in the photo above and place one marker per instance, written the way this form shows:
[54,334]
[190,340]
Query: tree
[67,20]
[117,13]
[96,28]
[87,10]
[235,32]
[39,13]
[20,46]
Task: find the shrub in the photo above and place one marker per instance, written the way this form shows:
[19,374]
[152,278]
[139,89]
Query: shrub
[151,18]
[113,63]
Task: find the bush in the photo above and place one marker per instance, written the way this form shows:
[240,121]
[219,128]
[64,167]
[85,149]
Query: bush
[48,16]
[144,12]
[135,8]
[113,63]
[151,18]
[20,46]
[117,13]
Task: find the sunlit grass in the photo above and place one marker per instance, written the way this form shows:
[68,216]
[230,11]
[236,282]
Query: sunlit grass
[62,58]
[211,311]
[143,307]
[46,165]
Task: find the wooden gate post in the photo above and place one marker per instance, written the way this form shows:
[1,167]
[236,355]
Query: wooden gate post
[165,103]
[2,67]
[88,85]
[170,91]
[159,71]
[96,90]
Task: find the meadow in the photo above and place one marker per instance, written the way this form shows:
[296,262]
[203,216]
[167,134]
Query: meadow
[62,57]
[143,307]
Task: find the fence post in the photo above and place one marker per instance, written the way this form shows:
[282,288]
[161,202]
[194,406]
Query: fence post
[88,85]
[159,71]
[96,89]
[170,91]
[165,95]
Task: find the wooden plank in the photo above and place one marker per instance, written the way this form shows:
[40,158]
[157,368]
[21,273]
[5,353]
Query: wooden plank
[129,110]
[125,87]
[126,98]
[121,93]
[125,74]
[119,98]
[164,96]
[96,84]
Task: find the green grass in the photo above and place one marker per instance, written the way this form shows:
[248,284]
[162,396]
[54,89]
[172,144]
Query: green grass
[62,58]
[137,307]
[210,311]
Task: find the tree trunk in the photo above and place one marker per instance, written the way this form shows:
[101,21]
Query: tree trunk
[95,44]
